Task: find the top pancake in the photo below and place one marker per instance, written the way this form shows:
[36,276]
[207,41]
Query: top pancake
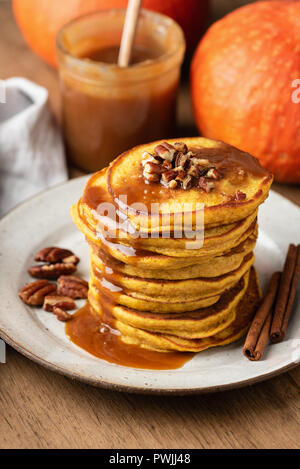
[90,222]
[134,195]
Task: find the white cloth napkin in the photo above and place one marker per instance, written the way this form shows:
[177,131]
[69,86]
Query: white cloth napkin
[31,148]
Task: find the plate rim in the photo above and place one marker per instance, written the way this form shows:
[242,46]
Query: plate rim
[104,384]
[141,390]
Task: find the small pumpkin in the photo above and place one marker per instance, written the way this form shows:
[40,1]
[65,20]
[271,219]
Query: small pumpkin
[40,20]
[244,84]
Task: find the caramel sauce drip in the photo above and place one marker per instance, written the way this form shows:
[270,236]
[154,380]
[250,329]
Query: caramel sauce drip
[100,339]
[228,160]
[98,335]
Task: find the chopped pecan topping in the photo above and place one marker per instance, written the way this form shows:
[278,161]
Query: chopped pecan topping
[166,165]
[187,182]
[52,271]
[200,161]
[169,175]
[239,195]
[180,146]
[153,168]
[61,314]
[172,184]
[213,173]
[176,166]
[194,171]
[180,175]
[181,160]
[205,185]
[54,254]
[238,177]
[71,286]
[151,177]
[34,293]
[165,151]
[57,301]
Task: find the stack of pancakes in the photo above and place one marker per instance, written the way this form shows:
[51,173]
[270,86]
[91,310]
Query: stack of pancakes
[150,280]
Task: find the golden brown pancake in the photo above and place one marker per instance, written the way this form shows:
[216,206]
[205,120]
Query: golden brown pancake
[124,178]
[165,292]
[215,239]
[156,304]
[183,289]
[203,322]
[212,267]
[166,342]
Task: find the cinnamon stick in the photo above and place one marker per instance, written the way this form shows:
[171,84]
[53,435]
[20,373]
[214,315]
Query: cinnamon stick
[288,292]
[277,331]
[257,336]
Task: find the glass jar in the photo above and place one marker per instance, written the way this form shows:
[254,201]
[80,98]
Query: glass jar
[107,109]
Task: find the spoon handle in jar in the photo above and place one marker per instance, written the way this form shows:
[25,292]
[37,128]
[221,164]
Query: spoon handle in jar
[129,30]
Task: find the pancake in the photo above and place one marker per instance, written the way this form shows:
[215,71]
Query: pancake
[213,267]
[160,288]
[166,342]
[147,260]
[205,251]
[124,178]
[125,232]
[213,238]
[155,257]
[200,286]
[216,240]
[157,304]
[200,323]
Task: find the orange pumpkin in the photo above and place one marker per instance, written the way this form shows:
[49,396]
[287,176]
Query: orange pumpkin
[244,84]
[40,20]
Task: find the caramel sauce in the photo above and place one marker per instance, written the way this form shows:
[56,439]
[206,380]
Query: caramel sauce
[129,251]
[94,195]
[98,335]
[110,54]
[228,160]
[103,341]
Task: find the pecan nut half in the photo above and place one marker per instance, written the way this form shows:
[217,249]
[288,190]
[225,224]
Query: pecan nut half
[169,175]
[61,314]
[181,147]
[239,195]
[205,185]
[153,168]
[54,254]
[74,287]
[51,271]
[165,151]
[56,301]
[34,293]
[71,259]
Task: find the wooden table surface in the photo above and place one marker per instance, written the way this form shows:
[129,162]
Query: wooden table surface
[40,409]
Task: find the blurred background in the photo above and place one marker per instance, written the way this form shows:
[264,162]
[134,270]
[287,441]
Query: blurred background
[17,59]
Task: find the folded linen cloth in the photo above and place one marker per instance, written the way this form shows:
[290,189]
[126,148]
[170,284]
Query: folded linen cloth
[31,148]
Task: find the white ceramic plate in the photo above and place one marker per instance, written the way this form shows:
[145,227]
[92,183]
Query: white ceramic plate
[44,221]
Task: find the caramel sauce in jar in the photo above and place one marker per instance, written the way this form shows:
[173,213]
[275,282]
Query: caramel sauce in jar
[110,54]
[107,109]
